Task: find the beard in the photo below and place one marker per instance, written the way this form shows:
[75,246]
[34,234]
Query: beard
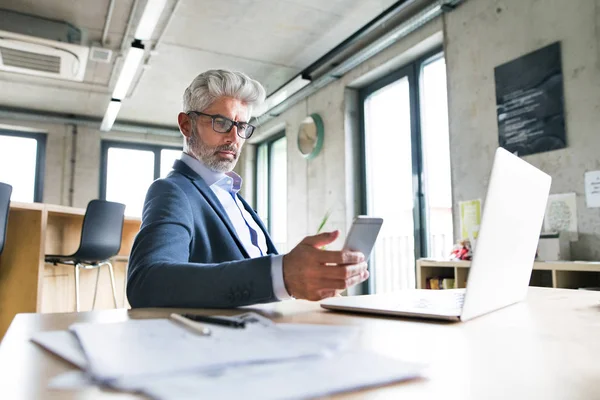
[209,154]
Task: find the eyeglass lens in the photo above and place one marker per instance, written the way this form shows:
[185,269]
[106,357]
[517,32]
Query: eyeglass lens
[223,125]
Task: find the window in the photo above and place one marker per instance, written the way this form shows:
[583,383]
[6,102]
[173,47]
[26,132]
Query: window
[435,139]
[271,188]
[128,170]
[406,178]
[22,159]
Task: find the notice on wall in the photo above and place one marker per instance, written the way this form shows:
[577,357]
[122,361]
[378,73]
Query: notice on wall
[530,102]
[470,219]
[561,215]
[592,188]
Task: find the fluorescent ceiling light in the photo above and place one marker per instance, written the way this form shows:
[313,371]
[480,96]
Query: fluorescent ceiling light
[130,67]
[282,94]
[150,17]
[110,115]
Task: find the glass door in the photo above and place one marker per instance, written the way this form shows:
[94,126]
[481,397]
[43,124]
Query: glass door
[435,141]
[389,181]
[406,178]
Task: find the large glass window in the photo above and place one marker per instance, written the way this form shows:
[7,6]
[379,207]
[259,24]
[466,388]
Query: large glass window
[271,188]
[435,140]
[22,157]
[167,158]
[129,169]
[389,174]
[407,170]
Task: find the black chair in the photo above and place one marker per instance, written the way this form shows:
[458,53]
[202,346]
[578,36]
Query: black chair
[100,240]
[5,192]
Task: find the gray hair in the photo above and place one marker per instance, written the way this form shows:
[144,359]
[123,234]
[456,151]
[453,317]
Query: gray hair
[215,83]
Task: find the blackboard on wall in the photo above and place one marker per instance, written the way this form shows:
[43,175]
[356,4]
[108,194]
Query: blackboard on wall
[530,102]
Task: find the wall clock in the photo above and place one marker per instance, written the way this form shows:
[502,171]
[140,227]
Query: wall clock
[310,136]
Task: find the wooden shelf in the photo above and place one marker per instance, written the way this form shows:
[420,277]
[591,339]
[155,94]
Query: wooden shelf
[556,274]
[29,285]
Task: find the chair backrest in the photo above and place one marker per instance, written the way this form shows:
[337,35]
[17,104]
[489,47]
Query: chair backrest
[101,231]
[5,192]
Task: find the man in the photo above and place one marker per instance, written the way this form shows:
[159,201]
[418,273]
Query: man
[200,244]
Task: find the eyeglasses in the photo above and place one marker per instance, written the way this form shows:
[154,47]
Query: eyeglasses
[223,124]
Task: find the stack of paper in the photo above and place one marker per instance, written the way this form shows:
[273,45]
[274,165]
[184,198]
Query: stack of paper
[297,379]
[166,360]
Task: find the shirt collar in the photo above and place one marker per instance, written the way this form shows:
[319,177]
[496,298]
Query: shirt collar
[229,181]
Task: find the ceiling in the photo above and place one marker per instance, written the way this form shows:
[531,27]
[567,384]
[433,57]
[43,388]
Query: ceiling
[271,40]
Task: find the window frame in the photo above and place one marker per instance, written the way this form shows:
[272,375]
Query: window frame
[269,145]
[107,144]
[413,72]
[40,159]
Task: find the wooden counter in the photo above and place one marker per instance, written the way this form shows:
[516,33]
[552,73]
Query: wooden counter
[28,284]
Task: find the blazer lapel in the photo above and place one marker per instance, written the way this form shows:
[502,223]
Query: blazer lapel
[270,246]
[211,199]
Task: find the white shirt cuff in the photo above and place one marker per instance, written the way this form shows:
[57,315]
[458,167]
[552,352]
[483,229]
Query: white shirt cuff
[277,276]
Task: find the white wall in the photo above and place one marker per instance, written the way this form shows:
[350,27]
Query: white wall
[483,34]
[57,171]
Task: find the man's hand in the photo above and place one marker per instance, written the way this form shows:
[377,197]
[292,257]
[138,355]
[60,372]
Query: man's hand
[314,274]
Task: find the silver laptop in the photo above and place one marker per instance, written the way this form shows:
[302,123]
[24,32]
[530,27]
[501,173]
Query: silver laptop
[503,258]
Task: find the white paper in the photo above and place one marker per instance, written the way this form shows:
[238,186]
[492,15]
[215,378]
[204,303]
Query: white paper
[62,343]
[470,219]
[72,380]
[592,188]
[160,346]
[166,361]
[298,379]
[561,215]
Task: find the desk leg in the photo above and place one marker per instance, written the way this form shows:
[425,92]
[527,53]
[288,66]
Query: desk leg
[21,266]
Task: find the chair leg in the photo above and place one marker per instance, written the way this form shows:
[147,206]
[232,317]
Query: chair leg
[77,287]
[96,288]
[112,282]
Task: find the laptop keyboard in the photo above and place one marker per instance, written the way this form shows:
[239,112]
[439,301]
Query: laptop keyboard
[440,300]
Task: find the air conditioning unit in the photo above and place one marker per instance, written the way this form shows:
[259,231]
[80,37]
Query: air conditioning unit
[42,57]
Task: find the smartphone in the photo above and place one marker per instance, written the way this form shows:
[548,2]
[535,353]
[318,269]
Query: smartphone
[363,234]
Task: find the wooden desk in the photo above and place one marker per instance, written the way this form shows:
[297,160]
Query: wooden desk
[27,284]
[545,348]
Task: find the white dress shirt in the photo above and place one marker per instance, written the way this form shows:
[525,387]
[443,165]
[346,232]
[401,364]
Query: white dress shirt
[226,186]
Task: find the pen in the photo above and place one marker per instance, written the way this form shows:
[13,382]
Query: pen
[216,320]
[201,329]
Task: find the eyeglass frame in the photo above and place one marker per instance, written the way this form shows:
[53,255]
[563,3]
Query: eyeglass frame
[233,123]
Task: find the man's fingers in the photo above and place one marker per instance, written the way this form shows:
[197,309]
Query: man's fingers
[343,271]
[341,284]
[311,273]
[321,239]
[323,294]
[339,257]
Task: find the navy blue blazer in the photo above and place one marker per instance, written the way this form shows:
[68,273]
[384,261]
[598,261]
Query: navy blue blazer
[187,253]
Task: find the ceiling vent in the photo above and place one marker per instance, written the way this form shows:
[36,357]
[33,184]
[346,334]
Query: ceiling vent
[40,46]
[100,54]
[41,57]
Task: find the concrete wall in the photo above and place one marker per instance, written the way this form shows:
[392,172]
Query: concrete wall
[57,172]
[482,34]
[478,35]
